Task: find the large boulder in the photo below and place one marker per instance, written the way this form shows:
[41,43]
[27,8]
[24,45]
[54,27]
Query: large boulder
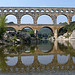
[72,42]
[61,37]
[24,36]
[9,35]
[72,35]
[65,34]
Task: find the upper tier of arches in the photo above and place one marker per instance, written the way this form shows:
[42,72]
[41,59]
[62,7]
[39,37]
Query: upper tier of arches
[39,18]
[37,9]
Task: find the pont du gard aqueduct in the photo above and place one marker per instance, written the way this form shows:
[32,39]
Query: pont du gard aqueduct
[35,13]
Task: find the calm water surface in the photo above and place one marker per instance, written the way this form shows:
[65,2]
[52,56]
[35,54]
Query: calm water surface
[44,58]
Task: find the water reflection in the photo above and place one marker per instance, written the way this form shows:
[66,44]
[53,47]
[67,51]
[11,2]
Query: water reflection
[46,59]
[27,60]
[68,48]
[11,61]
[62,59]
[72,42]
[45,46]
[39,57]
[73,58]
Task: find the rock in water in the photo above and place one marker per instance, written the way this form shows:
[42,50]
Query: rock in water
[72,35]
[72,42]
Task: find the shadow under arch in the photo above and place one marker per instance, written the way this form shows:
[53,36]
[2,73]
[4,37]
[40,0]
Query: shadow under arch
[11,19]
[61,31]
[62,18]
[11,29]
[27,60]
[12,61]
[45,59]
[27,19]
[47,19]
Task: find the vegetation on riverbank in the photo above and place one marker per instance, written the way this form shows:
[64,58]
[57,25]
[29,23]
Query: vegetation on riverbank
[67,28]
[3,27]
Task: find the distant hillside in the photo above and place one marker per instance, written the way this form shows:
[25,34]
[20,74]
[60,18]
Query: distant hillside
[44,31]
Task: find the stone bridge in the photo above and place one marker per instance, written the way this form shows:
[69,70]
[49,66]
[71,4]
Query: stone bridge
[54,28]
[35,13]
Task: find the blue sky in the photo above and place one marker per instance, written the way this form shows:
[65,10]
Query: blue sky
[37,3]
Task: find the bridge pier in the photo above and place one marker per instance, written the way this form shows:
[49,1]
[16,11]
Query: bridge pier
[69,19]
[55,33]
[18,21]
[54,19]
[35,32]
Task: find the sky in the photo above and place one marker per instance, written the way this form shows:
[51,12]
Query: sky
[37,3]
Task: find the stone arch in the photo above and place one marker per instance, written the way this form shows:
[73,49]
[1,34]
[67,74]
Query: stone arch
[37,11]
[26,10]
[10,10]
[0,10]
[46,10]
[5,10]
[28,30]
[32,10]
[12,61]
[26,19]
[46,30]
[27,60]
[15,10]
[44,19]
[21,10]
[42,10]
[11,18]
[62,18]
[46,59]
[73,18]
[62,59]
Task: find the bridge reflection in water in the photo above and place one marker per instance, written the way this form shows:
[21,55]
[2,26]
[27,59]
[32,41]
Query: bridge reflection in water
[37,61]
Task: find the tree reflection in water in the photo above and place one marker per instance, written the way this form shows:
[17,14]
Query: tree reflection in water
[3,65]
[68,49]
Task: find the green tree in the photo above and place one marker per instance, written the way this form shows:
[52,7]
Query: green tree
[64,23]
[67,28]
[2,26]
[70,27]
[31,32]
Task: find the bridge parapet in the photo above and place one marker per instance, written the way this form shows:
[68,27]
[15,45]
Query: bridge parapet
[50,9]
[35,25]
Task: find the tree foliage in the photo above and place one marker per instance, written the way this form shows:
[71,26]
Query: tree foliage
[64,23]
[67,28]
[2,26]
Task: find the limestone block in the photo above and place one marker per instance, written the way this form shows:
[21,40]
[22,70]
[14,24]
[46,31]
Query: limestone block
[72,35]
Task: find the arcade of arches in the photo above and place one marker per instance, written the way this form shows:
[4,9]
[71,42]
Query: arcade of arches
[32,17]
